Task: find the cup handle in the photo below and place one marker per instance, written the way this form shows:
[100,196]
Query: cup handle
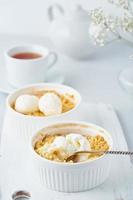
[52,59]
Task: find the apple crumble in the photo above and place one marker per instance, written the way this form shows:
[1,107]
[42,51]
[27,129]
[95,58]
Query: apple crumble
[58,147]
[44,103]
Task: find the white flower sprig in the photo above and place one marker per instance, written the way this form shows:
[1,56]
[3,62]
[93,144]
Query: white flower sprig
[127,23]
[102,24]
[120,3]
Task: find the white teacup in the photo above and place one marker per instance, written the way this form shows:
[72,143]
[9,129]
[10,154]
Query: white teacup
[28,64]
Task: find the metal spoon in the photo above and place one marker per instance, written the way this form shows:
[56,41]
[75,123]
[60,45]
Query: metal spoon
[73,156]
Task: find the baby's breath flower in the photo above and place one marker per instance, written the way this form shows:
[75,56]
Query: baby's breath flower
[102,23]
[127,23]
[97,16]
[100,26]
[120,3]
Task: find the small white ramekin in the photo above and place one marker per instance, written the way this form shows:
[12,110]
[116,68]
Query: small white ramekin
[71,177]
[22,127]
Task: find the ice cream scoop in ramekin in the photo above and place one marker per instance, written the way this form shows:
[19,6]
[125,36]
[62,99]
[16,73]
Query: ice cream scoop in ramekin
[22,125]
[71,177]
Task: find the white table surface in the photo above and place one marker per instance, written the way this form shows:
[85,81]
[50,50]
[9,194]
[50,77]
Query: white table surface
[96,79]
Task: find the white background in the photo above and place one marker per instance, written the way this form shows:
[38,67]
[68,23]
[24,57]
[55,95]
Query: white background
[30,16]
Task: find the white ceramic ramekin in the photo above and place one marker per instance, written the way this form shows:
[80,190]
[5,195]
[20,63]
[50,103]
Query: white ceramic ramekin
[21,127]
[71,177]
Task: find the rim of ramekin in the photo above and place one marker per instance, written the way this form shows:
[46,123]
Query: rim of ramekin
[38,157]
[41,85]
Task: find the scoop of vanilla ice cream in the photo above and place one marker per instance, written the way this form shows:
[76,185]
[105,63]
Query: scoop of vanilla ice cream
[58,143]
[26,104]
[68,144]
[77,142]
[50,104]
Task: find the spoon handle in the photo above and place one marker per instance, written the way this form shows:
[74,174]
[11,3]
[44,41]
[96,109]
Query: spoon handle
[108,152]
[119,152]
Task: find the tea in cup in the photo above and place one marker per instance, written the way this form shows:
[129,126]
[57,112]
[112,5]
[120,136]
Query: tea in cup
[28,64]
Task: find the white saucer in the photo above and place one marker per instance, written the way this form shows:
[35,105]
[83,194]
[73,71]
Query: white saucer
[52,76]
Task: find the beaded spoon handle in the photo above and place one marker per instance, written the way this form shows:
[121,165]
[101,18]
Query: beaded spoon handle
[71,157]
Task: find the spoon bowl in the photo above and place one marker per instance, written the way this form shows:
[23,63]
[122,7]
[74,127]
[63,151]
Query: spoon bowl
[78,153]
